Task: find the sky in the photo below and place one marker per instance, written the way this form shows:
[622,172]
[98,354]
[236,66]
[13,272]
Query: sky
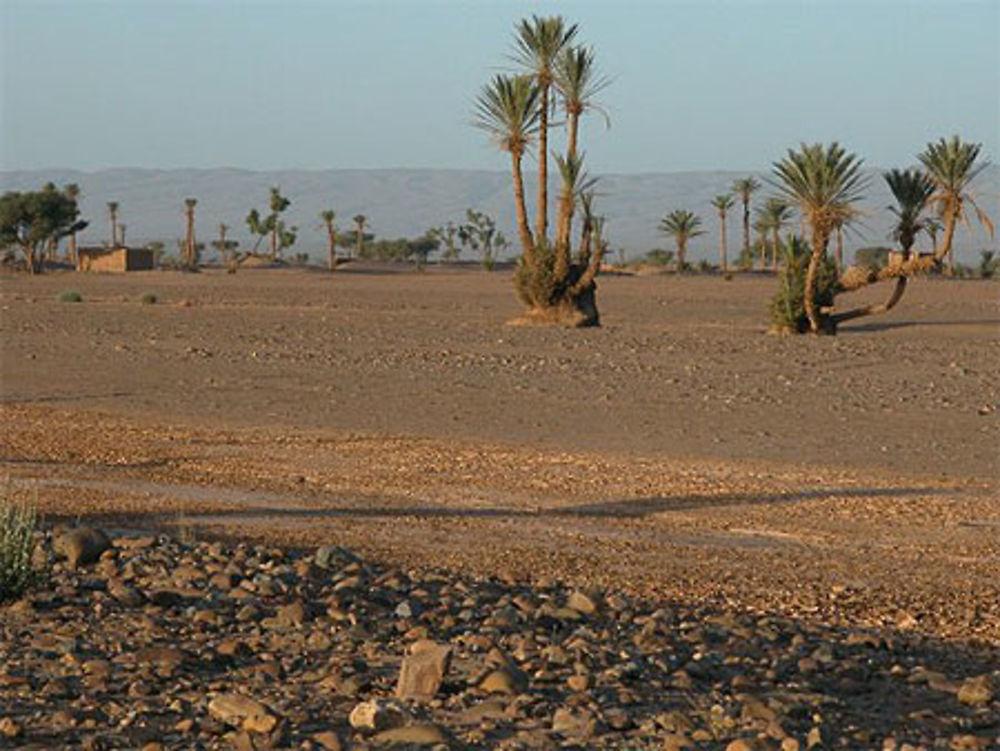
[280,84]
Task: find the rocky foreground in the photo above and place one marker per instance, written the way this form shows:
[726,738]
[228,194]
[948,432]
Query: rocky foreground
[147,642]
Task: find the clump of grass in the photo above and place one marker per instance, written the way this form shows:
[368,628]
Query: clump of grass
[148,298]
[70,295]
[17,546]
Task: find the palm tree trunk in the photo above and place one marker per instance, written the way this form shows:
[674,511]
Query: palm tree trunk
[542,220]
[72,248]
[746,228]
[722,241]
[573,126]
[775,240]
[681,252]
[331,234]
[950,220]
[819,241]
[523,230]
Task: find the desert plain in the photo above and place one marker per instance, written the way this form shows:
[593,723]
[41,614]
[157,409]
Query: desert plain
[677,454]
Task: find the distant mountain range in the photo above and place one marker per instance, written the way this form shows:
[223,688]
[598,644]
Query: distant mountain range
[405,202]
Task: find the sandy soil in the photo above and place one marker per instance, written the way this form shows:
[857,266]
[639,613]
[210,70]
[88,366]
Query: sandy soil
[678,450]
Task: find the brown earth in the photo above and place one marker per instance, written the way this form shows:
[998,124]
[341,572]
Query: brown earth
[678,450]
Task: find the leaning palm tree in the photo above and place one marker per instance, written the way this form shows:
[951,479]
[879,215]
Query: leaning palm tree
[538,44]
[722,205]
[951,166]
[744,188]
[823,182]
[912,190]
[331,236]
[682,225]
[507,109]
[113,216]
[360,220]
[778,215]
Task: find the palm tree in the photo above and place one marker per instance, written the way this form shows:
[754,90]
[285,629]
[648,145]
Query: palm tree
[538,44]
[113,216]
[912,190]
[359,233]
[824,182]
[722,205]
[762,226]
[744,188]
[578,82]
[682,225]
[932,226]
[331,236]
[189,244]
[73,192]
[507,109]
[951,166]
[778,214]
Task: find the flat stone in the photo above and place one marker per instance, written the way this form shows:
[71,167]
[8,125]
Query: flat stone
[377,715]
[423,671]
[976,691]
[504,681]
[236,709]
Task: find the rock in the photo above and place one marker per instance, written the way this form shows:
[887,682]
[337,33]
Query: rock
[377,715]
[328,740]
[81,546]
[9,728]
[578,683]
[676,742]
[242,711]
[334,557]
[576,723]
[423,734]
[504,681]
[582,603]
[423,671]
[976,691]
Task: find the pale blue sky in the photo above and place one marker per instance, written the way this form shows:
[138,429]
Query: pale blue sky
[341,84]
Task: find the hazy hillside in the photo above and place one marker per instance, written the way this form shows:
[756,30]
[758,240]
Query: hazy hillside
[407,201]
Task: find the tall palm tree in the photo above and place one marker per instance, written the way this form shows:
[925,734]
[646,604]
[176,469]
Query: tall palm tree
[113,216]
[745,188]
[360,220]
[951,166]
[189,242]
[682,225]
[762,226]
[824,182]
[779,215]
[578,82]
[507,109]
[331,236]
[722,205]
[537,45]
[73,192]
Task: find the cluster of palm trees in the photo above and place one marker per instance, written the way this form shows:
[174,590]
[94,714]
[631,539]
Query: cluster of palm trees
[824,183]
[554,74]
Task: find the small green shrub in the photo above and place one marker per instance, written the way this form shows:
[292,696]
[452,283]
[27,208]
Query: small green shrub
[788,312]
[148,298]
[536,285]
[989,264]
[70,296]
[17,544]
[658,257]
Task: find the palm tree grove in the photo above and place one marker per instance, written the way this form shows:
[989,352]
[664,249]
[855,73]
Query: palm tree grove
[438,376]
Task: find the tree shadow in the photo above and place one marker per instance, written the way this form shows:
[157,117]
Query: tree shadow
[876,326]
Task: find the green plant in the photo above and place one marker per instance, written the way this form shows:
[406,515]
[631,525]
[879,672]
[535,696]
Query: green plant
[989,264]
[148,298]
[658,257]
[17,544]
[788,304]
[70,296]
[872,258]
